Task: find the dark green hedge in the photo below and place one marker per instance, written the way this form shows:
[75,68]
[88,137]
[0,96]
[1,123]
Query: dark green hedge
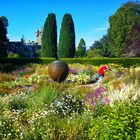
[126,62]
[22,61]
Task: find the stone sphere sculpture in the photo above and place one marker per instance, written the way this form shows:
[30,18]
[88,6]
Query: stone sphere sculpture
[58,70]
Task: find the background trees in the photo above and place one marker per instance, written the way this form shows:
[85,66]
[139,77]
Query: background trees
[123,25]
[81,49]
[67,38]
[123,36]
[122,39]
[99,48]
[49,37]
[3,37]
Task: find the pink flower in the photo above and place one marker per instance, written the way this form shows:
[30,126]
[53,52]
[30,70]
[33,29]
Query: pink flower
[93,103]
[105,101]
[72,71]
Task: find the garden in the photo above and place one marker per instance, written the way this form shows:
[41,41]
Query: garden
[34,107]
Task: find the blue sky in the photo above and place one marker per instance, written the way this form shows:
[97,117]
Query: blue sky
[90,16]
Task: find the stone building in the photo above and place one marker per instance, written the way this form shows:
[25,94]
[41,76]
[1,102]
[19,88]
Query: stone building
[39,35]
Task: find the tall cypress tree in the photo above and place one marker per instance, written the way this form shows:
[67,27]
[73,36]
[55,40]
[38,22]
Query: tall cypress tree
[67,38]
[49,37]
[3,37]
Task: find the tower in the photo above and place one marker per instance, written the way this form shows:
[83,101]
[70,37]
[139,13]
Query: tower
[39,35]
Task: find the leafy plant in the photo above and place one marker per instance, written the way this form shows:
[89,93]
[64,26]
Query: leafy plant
[19,102]
[67,105]
[46,96]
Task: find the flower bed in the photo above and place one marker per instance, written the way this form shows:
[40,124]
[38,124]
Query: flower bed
[32,106]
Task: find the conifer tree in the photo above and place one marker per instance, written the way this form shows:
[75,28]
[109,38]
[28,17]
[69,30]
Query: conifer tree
[81,49]
[3,37]
[49,37]
[67,38]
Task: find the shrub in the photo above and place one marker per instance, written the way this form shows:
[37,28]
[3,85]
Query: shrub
[13,55]
[19,102]
[46,96]
[121,122]
[67,105]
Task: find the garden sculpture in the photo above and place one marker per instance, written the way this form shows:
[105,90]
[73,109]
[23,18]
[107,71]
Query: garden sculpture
[58,70]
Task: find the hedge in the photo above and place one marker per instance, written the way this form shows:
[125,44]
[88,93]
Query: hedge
[22,61]
[126,62]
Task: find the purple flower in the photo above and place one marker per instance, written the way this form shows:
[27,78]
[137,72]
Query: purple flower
[105,101]
[100,89]
[93,103]
[90,96]
[98,92]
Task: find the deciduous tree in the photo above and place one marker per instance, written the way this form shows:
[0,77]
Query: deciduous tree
[122,25]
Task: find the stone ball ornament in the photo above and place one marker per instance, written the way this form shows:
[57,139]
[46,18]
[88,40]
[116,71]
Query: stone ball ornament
[58,70]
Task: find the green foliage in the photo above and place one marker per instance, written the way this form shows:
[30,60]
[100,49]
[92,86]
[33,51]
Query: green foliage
[49,37]
[22,61]
[67,38]
[81,78]
[81,49]
[122,122]
[7,62]
[126,62]
[46,96]
[3,37]
[54,128]
[104,45]
[7,67]
[122,24]
[96,45]
[101,47]
[13,55]
[44,60]
[94,53]
[65,111]
[19,102]
[68,105]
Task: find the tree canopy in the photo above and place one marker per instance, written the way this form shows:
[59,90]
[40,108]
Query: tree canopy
[122,25]
[100,46]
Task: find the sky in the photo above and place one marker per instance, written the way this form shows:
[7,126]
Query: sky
[90,17]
